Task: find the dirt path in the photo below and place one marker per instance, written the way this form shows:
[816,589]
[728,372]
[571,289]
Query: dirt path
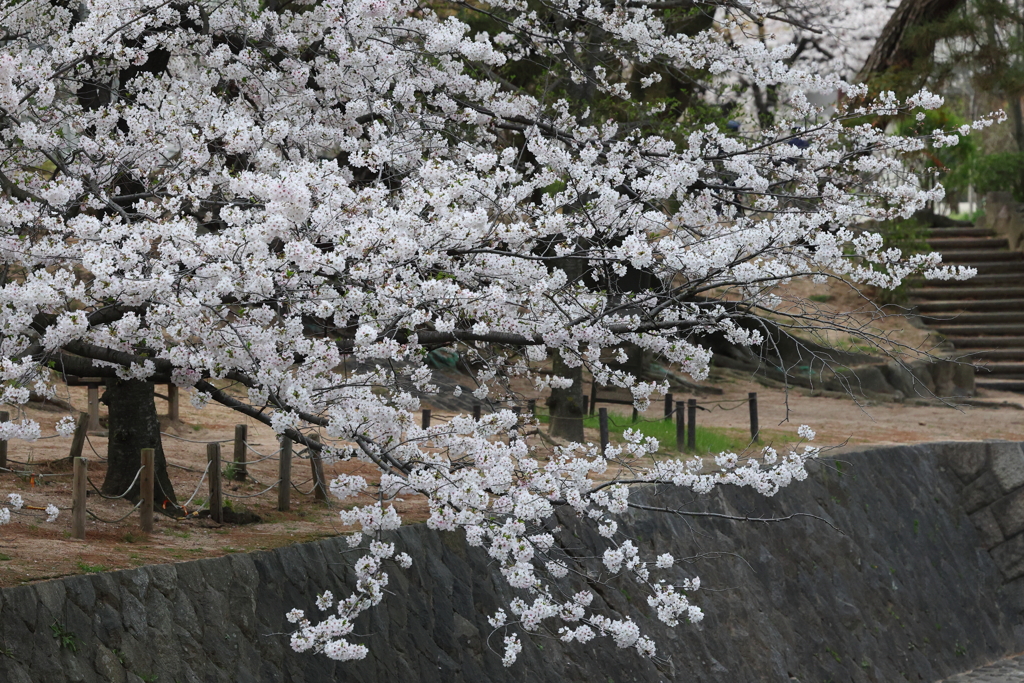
[32,550]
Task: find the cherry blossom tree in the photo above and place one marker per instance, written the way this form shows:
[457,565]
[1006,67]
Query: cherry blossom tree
[302,199]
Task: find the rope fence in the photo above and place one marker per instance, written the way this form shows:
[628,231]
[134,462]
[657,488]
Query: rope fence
[684,413]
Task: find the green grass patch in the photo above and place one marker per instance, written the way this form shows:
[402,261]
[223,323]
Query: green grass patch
[708,440]
[90,568]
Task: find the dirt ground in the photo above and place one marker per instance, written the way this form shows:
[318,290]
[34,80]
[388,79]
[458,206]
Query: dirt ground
[33,550]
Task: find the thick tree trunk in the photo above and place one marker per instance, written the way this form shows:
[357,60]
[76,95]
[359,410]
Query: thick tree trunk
[893,49]
[133,425]
[566,405]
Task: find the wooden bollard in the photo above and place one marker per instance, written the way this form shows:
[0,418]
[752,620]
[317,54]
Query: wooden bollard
[426,418]
[593,397]
[680,426]
[316,463]
[603,422]
[78,440]
[216,495]
[241,439]
[476,412]
[691,417]
[586,405]
[172,402]
[514,434]
[284,477]
[755,430]
[146,480]
[4,417]
[636,415]
[94,407]
[668,406]
[531,405]
[81,472]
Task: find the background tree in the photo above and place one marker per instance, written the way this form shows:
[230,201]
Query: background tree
[287,187]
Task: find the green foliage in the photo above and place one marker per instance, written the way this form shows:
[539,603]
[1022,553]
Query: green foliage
[65,639]
[954,164]
[90,568]
[1000,172]
[708,439]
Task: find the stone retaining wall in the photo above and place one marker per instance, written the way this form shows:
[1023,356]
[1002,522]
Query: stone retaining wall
[903,588]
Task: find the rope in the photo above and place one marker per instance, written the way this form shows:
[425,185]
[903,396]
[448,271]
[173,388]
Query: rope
[179,438]
[30,473]
[183,467]
[130,486]
[93,448]
[115,521]
[196,492]
[252,495]
[262,455]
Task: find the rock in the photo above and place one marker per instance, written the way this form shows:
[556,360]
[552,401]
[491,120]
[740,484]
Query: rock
[981,492]
[1009,557]
[989,530]
[898,583]
[965,459]
[864,380]
[913,379]
[1007,463]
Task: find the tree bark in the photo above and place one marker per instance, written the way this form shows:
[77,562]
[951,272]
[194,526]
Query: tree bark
[133,425]
[893,49]
[566,405]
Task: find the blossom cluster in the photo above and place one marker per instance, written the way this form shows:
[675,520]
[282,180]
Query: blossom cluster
[307,200]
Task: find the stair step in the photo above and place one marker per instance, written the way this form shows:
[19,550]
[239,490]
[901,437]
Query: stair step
[953,330]
[1000,384]
[996,370]
[996,355]
[979,255]
[982,279]
[995,267]
[968,292]
[952,306]
[974,318]
[963,343]
[941,243]
[960,232]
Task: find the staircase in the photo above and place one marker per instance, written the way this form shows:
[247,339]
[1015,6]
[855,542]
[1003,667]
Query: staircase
[982,317]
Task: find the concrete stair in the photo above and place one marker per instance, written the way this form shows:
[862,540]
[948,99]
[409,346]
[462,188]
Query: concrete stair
[982,317]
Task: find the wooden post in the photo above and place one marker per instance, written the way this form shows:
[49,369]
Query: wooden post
[78,440]
[691,417]
[4,417]
[532,407]
[284,483]
[172,402]
[593,397]
[426,418]
[586,405]
[514,434]
[317,465]
[146,480]
[476,412]
[636,415]
[241,438]
[680,426]
[78,498]
[216,495]
[755,430]
[668,406]
[603,422]
[94,408]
